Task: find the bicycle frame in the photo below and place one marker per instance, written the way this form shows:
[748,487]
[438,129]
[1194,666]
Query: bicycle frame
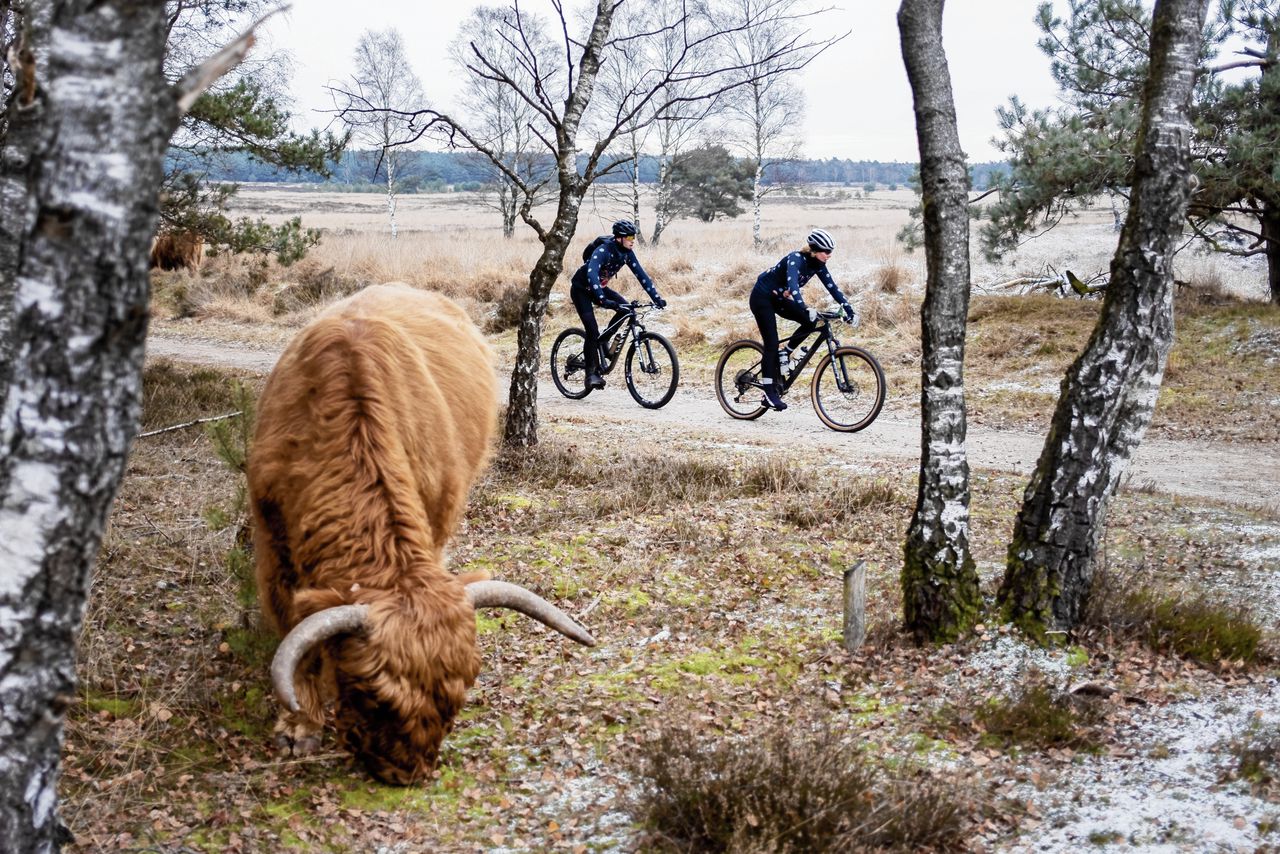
[630,326]
[824,335]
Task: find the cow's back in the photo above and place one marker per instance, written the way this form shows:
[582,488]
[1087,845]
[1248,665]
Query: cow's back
[371,429]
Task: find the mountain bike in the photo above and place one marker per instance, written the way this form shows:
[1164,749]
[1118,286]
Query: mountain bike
[848,385]
[652,370]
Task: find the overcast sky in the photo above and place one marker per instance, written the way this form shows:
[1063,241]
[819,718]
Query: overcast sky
[858,99]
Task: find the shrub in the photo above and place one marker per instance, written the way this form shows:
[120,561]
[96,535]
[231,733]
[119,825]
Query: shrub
[1038,716]
[890,278]
[1188,624]
[1256,752]
[843,503]
[507,308]
[790,791]
[689,332]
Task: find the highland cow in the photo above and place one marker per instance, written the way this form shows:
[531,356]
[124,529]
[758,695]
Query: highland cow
[370,431]
[177,250]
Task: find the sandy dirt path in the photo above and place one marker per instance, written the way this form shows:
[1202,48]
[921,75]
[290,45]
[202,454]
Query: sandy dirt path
[1236,473]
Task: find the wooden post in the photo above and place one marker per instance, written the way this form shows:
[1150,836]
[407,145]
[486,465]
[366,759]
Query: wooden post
[855,606]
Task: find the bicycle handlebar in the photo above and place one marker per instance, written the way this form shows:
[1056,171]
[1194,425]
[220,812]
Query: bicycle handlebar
[838,314]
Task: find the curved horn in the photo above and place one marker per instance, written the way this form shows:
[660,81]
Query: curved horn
[318,627]
[500,594]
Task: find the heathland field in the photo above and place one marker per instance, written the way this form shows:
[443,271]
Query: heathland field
[719,711]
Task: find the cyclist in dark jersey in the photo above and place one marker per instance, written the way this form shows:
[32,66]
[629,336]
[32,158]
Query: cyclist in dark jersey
[590,285]
[777,293]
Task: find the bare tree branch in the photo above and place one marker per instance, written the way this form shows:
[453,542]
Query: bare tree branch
[196,81]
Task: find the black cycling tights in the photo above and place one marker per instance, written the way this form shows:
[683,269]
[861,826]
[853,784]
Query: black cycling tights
[765,307]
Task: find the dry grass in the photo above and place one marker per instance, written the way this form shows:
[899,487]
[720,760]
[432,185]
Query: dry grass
[1018,346]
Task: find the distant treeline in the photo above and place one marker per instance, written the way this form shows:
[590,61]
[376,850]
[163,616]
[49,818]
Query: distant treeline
[433,171]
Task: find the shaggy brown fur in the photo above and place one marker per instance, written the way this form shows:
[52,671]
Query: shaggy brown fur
[370,431]
[177,250]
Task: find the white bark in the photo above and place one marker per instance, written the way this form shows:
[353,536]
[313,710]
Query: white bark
[939,580]
[391,194]
[1109,393]
[76,282]
[756,196]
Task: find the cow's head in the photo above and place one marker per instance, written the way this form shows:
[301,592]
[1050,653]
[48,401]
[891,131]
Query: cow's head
[403,664]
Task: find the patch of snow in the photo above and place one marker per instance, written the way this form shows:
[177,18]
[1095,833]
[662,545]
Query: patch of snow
[1171,801]
[1045,387]
[1006,663]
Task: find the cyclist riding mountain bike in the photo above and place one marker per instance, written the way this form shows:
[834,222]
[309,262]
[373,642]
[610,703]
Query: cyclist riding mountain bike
[590,285]
[777,293]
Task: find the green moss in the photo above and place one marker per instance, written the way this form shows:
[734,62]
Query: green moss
[869,709]
[253,647]
[632,600]
[284,810]
[117,707]
[375,796]
[486,625]
[734,667]
[247,714]
[941,602]
[474,735]
[1077,656]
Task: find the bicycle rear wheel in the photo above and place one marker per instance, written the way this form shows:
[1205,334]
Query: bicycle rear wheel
[652,370]
[569,365]
[848,390]
[738,380]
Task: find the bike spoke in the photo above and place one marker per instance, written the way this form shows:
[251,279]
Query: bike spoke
[738,380]
[848,391]
[652,371]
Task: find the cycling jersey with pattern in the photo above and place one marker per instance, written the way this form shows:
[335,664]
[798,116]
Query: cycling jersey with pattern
[605,263]
[791,273]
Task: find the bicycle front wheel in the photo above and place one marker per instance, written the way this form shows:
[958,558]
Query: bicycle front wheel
[569,365]
[738,380]
[652,370]
[848,390]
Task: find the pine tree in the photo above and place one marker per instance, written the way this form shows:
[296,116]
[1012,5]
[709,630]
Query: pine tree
[1065,158]
[245,113]
[708,182]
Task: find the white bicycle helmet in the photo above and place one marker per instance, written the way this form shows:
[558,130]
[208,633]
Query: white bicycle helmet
[820,241]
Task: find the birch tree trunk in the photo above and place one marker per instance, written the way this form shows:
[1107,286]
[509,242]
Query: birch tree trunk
[662,205]
[510,207]
[81,166]
[635,192]
[940,591]
[391,189]
[1110,391]
[756,195]
[521,427]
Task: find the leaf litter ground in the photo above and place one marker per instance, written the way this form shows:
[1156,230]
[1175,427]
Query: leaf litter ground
[711,576]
